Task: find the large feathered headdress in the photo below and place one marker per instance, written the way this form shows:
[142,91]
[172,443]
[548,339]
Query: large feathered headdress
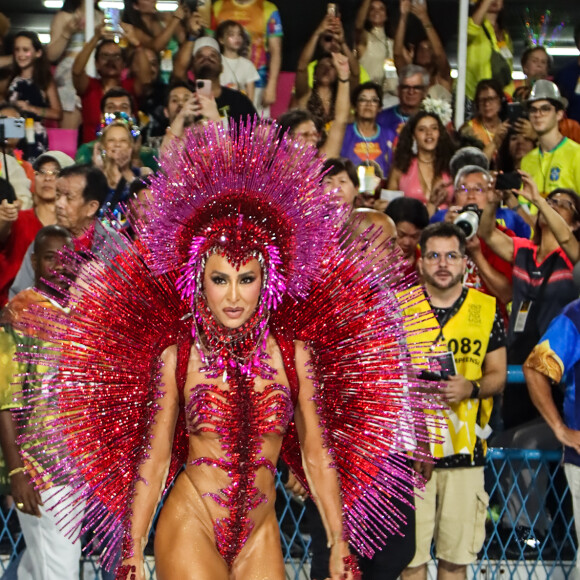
[251,195]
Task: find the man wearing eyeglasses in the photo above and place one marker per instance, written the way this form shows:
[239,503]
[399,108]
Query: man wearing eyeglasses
[19,226]
[413,85]
[365,140]
[467,338]
[555,163]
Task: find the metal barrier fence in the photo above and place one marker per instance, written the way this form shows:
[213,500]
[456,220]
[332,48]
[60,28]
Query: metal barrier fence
[530,530]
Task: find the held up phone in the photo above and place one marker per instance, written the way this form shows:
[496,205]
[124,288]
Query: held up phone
[112,20]
[516,111]
[203,87]
[12,127]
[331,9]
[508,181]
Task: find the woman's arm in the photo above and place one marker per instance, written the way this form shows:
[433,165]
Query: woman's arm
[337,129]
[439,55]
[301,87]
[153,471]
[555,221]
[317,462]
[54,109]
[401,55]
[479,15]
[160,41]
[501,244]
[250,89]
[394,178]
[63,26]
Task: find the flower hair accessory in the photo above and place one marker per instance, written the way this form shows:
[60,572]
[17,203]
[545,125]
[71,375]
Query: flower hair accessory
[109,118]
[438,107]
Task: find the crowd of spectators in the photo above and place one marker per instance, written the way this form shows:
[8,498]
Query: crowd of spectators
[379,109]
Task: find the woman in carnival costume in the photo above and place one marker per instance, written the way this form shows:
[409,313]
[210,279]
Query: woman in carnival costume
[241,326]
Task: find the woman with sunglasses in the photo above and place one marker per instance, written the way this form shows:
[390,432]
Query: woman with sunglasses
[542,267]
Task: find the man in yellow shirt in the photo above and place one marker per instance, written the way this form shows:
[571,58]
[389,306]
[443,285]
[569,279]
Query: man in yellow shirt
[467,340]
[555,163]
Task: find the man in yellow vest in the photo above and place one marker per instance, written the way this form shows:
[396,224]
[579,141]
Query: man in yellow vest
[467,340]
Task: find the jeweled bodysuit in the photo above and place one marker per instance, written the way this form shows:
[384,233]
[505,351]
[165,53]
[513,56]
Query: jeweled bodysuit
[240,417]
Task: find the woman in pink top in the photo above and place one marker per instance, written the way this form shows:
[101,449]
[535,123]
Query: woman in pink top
[421,161]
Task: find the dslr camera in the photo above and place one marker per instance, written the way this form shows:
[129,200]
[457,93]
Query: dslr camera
[468,220]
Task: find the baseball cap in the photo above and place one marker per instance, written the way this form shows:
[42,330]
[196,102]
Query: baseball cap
[59,157]
[206,41]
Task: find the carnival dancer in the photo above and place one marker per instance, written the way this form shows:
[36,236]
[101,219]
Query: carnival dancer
[241,325]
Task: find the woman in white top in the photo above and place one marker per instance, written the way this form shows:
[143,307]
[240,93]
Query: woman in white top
[66,41]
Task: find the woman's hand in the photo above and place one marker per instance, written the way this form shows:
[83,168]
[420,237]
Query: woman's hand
[524,128]
[440,193]
[340,62]
[336,565]
[73,24]
[530,189]
[405,6]
[501,133]
[130,34]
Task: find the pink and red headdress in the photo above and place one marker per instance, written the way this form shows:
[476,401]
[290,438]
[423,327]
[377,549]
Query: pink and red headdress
[245,196]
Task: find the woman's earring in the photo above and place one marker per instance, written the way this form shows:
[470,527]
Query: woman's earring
[414,147]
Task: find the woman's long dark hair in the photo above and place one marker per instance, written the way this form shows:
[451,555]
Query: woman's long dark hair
[404,152]
[133,16]
[41,74]
[314,104]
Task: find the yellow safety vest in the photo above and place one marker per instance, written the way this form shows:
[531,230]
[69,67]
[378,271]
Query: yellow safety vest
[467,336]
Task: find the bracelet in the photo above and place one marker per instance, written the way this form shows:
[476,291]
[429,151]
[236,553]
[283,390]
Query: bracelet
[475,390]
[16,470]
[343,80]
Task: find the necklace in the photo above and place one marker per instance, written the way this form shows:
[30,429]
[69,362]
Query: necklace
[234,350]
[428,186]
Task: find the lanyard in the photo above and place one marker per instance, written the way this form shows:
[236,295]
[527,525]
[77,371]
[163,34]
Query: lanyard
[451,312]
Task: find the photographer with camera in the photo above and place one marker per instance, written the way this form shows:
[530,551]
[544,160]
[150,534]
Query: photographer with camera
[485,270]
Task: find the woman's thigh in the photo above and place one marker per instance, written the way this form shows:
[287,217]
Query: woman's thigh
[184,538]
[261,557]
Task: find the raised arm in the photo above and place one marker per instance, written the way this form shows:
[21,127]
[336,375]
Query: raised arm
[441,61]
[301,86]
[501,244]
[153,471]
[479,15]
[555,221]
[159,42]
[496,282]
[79,75]
[361,16]
[62,28]
[317,462]
[337,129]
[401,55]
